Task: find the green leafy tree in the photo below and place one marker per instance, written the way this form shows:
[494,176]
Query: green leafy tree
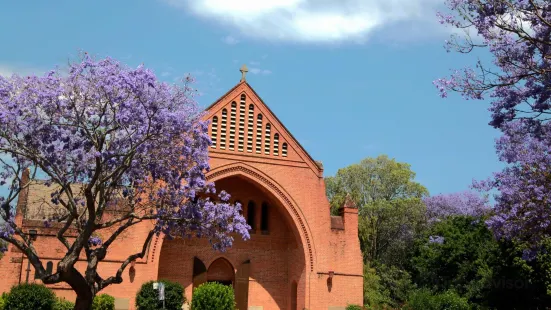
[391,211]
[425,299]
[461,254]
[375,294]
[455,253]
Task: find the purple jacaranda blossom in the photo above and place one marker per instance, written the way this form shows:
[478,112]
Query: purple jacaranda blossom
[516,33]
[94,241]
[467,203]
[436,239]
[105,138]
[523,187]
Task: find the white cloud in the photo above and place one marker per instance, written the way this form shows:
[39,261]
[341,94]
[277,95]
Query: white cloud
[259,71]
[313,20]
[230,40]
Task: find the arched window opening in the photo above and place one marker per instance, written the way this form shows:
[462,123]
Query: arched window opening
[250,128]
[276,144]
[223,126]
[49,267]
[264,216]
[214,135]
[267,136]
[259,134]
[241,141]
[232,125]
[243,97]
[251,215]
[284,150]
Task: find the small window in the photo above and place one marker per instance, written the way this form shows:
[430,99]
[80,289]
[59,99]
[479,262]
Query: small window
[223,129]
[251,214]
[241,140]
[214,134]
[284,150]
[267,139]
[264,218]
[276,144]
[259,134]
[243,97]
[49,268]
[250,128]
[232,125]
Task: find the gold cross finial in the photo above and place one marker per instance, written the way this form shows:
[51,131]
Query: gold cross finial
[244,71]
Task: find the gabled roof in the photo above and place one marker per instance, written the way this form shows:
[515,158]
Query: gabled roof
[313,162]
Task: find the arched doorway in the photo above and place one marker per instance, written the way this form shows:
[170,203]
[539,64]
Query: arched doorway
[259,269]
[221,271]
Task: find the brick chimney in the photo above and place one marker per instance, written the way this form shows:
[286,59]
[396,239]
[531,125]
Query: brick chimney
[349,214]
[23,196]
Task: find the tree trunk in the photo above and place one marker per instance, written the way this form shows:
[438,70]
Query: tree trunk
[84,302]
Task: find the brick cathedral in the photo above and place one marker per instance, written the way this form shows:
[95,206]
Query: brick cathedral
[298,257]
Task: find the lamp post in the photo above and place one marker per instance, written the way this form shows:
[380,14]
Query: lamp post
[32,234]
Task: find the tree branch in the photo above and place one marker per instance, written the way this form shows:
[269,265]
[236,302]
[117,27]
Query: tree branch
[118,277]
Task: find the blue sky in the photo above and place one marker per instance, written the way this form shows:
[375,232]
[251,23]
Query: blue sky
[349,78]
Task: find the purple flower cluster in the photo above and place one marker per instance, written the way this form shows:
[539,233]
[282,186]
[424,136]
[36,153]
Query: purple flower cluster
[523,199]
[468,203]
[436,239]
[94,241]
[516,33]
[139,142]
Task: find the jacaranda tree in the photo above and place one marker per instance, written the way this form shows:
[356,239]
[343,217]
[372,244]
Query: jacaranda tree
[105,136]
[517,34]
[467,203]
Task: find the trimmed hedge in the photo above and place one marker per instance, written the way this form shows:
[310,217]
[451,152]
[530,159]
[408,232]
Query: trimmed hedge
[213,296]
[30,296]
[103,302]
[354,307]
[148,298]
[63,304]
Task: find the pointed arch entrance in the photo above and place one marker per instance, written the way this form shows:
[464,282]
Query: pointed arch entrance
[261,270]
[221,271]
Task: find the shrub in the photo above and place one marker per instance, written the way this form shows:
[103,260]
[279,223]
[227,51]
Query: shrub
[30,296]
[63,304]
[3,298]
[213,296]
[103,302]
[354,307]
[148,298]
[424,299]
